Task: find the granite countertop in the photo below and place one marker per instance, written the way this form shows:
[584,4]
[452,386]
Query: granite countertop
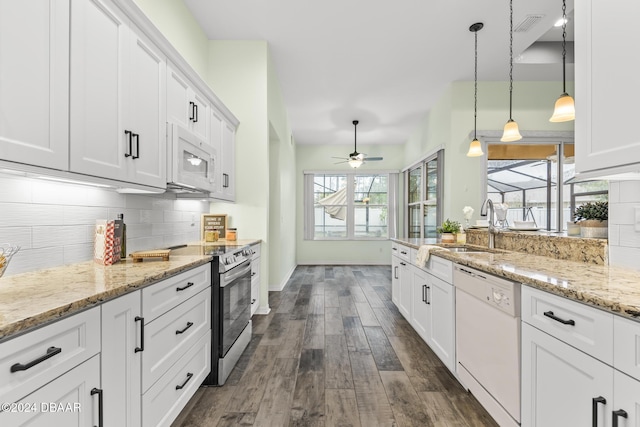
[613,289]
[29,300]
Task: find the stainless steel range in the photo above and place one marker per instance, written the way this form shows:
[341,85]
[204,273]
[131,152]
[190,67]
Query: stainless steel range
[231,308]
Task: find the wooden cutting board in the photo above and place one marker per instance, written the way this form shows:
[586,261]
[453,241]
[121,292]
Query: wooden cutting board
[158,253]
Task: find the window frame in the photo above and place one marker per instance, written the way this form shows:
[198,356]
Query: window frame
[424,202]
[310,205]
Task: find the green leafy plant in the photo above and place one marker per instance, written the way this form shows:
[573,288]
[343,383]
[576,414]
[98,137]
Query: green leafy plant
[449,227]
[592,211]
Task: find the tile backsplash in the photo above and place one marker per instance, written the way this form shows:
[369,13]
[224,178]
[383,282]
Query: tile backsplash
[53,222]
[624,240]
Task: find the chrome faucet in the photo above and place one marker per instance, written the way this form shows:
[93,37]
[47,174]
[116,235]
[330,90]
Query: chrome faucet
[491,230]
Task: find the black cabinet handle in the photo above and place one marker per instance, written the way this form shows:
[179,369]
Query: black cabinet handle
[137,137]
[594,409]
[394,249]
[51,351]
[557,319]
[225,180]
[395,272]
[402,263]
[128,133]
[615,414]
[191,110]
[188,285]
[141,320]
[403,252]
[195,114]
[253,301]
[182,331]
[424,293]
[427,299]
[189,375]
[100,405]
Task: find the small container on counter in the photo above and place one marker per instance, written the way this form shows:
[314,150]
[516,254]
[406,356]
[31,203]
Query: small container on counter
[232,234]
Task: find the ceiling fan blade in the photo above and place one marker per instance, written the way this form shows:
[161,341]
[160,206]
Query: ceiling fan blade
[337,163]
[373,159]
[341,158]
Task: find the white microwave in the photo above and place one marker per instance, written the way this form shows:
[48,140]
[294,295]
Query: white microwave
[190,161]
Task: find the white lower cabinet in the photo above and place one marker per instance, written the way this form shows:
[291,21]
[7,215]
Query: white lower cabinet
[255,278]
[420,313]
[122,360]
[560,382]
[405,296]
[565,385]
[71,400]
[395,280]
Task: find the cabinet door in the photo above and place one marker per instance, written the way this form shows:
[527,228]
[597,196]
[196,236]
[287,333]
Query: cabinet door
[121,363]
[66,401]
[560,382]
[395,280]
[146,112]
[228,162]
[406,292]
[34,82]
[201,113]
[604,129]
[421,310]
[255,284]
[98,144]
[440,297]
[627,398]
[178,108]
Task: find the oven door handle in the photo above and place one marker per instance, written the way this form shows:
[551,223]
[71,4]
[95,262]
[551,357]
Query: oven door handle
[235,273]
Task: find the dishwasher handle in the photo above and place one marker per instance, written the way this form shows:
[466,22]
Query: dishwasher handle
[471,273]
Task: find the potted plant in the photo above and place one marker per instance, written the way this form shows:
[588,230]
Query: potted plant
[593,219]
[448,230]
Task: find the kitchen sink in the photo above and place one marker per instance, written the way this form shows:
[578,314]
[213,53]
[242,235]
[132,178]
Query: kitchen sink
[467,249]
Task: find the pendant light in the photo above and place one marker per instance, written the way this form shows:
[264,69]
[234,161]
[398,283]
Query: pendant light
[475,148]
[511,132]
[565,109]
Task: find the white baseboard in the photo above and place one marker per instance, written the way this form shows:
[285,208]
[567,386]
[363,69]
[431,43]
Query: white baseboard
[263,310]
[279,287]
[328,263]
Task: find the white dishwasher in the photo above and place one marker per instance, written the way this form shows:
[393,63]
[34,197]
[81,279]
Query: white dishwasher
[488,341]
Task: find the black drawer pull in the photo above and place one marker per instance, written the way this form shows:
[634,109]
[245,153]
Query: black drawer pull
[594,409]
[557,319]
[51,351]
[188,285]
[129,135]
[192,110]
[141,320]
[99,392]
[615,414]
[427,298]
[137,137]
[402,263]
[180,387]
[253,301]
[189,324]
[403,252]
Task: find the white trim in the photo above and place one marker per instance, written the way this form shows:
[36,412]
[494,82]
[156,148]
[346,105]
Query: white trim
[349,171]
[320,262]
[262,310]
[280,287]
[424,157]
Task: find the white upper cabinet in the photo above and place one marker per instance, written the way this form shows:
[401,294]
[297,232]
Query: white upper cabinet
[34,82]
[607,87]
[223,135]
[185,105]
[117,91]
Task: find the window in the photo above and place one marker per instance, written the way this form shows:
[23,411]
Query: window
[424,192]
[363,210]
[526,177]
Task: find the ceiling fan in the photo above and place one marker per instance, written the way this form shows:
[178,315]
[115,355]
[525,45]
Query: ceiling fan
[356,159]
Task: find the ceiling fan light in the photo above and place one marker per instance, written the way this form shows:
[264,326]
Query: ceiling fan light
[355,162]
[475,149]
[565,109]
[511,132]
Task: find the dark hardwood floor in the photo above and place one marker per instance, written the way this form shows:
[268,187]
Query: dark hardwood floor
[335,351]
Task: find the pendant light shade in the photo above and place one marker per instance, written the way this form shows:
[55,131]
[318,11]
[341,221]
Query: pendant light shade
[511,132]
[475,148]
[565,109]
[355,162]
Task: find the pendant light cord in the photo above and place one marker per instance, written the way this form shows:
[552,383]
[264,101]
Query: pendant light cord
[564,44]
[511,60]
[475,91]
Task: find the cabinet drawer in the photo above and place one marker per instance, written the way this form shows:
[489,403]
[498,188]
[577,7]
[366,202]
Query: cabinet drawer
[77,338]
[164,401]
[439,267]
[591,331]
[394,249]
[170,335]
[255,271]
[256,251]
[161,297]
[626,351]
[404,252]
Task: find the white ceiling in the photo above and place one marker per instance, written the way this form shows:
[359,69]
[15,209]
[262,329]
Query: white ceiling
[384,63]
